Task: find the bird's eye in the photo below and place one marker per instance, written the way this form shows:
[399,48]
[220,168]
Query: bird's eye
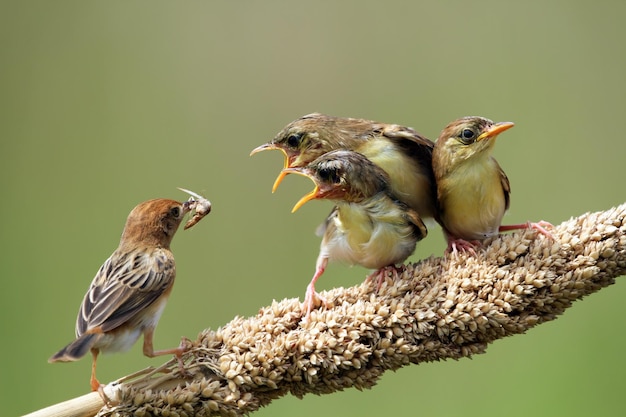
[467,136]
[294,140]
[329,175]
[175,211]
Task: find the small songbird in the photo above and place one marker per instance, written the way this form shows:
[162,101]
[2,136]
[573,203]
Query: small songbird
[472,189]
[368,225]
[400,151]
[129,292]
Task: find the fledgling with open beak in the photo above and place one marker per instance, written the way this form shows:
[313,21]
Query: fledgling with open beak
[368,225]
[404,154]
[130,290]
[472,189]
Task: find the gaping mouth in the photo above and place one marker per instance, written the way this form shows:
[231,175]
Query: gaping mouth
[307,197]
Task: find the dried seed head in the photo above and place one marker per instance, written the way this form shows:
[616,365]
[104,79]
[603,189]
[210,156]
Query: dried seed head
[439,308]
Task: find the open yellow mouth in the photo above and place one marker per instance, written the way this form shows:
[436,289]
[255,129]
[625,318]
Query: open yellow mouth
[269,147]
[309,196]
[280,177]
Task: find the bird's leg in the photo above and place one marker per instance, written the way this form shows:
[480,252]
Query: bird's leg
[312,297]
[95,384]
[148,349]
[539,227]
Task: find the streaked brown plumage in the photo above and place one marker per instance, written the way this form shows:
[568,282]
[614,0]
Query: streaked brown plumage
[472,189]
[400,151]
[368,225]
[130,290]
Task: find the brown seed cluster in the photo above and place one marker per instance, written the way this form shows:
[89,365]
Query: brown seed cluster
[439,308]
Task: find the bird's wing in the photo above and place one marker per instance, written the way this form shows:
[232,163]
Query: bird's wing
[321,229]
[414,145]
[125,285]
[397,132]
[506,186]
[419,228]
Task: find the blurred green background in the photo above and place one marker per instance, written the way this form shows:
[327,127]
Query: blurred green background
[106,104]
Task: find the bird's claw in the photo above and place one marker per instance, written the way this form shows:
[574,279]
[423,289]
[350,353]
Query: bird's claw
[382,273]
[541,226]
[198,204]
[185,346]
[456,246]
[312,299]
[108,401]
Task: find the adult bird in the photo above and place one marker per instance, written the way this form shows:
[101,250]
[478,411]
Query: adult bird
[130,290]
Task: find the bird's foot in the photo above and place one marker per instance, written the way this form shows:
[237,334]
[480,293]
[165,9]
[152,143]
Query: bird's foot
[105,398]
[178,352]
[184,347]
[539,226]
[95,384]
[382,273]
[456,246]
[312,299]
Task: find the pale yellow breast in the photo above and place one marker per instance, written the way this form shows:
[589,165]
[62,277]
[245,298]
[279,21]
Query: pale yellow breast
[472,200]
[372,236]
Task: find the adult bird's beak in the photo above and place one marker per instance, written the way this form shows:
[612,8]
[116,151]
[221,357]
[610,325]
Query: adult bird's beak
[187,205]
[308,197]
[495,130]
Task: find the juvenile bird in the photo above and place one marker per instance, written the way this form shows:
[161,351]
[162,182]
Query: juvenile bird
[368,225]
[472,189]
[400,151]
[129,292]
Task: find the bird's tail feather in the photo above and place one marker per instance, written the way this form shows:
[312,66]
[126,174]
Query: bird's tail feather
[75,350]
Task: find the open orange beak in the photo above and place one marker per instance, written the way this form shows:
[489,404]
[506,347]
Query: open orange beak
[495,130]
[268,147]
[280,177]
[309,196]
